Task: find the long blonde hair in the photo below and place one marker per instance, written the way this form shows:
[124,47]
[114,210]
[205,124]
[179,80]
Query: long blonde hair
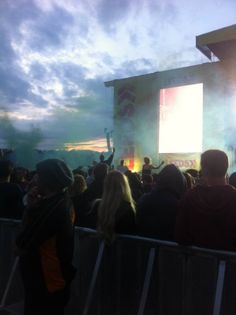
[116,190]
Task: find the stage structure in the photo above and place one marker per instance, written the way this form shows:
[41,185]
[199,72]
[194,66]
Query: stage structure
[174,115]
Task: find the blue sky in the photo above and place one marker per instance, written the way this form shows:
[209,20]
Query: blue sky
[56,54]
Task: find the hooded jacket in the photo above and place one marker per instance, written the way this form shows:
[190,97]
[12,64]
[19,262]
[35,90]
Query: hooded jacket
[46,245]
[207,218]
[156,212]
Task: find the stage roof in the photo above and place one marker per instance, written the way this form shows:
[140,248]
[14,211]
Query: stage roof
[221,43]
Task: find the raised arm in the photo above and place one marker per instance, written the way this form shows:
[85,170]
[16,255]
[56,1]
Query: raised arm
[156,167]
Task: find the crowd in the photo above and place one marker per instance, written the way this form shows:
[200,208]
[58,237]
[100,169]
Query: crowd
[191,208]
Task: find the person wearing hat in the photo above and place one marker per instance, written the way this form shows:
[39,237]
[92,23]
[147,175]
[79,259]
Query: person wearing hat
[46,242]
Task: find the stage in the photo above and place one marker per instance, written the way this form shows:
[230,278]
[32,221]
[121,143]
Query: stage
[174,115]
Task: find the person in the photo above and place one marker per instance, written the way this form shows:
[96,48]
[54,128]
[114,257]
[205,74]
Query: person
[116,210]
[193,172]
[147,183]
[78,187]
[122,167]
[189,180]
[196,176]
[19,177]
[109,160]
[86,217]
[11,196]
[148,167]
[76,190]
[206,215]
[135,185]
[90,177]
[156,211]
[232,179]
[46,242]
[79,171]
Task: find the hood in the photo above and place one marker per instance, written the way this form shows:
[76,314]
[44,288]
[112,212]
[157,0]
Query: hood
[170,178]
[55,173]
[212,198]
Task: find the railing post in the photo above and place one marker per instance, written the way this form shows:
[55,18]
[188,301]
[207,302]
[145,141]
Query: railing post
[94,278]
[219,287]
[147,281]
[8,285]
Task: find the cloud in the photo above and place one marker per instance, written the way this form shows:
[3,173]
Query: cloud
[56,54]
[99,145]
[48,31]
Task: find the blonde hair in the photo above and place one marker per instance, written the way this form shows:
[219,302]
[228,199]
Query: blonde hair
[78,187]
[116,190]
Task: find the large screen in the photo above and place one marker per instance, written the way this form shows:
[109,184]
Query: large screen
[180,119]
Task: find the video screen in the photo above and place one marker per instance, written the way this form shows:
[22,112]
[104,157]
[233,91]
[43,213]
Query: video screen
[180,119]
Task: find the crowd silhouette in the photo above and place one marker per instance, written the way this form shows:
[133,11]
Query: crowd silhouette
[190,207]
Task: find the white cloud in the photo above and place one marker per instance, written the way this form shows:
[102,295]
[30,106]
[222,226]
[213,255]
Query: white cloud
[62,49]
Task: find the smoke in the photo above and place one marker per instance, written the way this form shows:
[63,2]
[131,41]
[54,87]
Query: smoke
[25,147]
[217,128]
[22,143]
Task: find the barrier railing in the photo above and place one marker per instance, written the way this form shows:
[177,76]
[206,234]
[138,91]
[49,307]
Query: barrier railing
[134,275]
[11,289]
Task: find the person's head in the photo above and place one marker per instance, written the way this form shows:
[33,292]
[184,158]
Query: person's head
[194,173]
[116,189]
[214,165]
[100,171]
[53,176]
[171,179]
[6,169]
[31,175]
[102,157]
[147,160]
[122,162]
[78,187]
[232,179]
[189,180]
[134,180]
[79,171]
[19,175]
[135,184]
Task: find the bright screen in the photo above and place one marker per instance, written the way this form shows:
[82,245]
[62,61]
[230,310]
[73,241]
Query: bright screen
[180,124]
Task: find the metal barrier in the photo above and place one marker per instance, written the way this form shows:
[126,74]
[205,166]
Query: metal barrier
[134,275]
[11,288]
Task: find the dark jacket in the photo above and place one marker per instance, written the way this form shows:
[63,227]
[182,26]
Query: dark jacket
[46,245]
[156,211]
[156,214]
[207,218]
[11,204]
[124,220]
[84,204]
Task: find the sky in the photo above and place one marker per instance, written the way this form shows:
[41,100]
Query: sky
[55,56]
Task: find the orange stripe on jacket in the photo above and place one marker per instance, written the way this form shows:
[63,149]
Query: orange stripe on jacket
[51,266]
[73,215]
[50,262]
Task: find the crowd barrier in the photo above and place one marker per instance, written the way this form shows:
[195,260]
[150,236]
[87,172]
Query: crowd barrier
[134,275]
